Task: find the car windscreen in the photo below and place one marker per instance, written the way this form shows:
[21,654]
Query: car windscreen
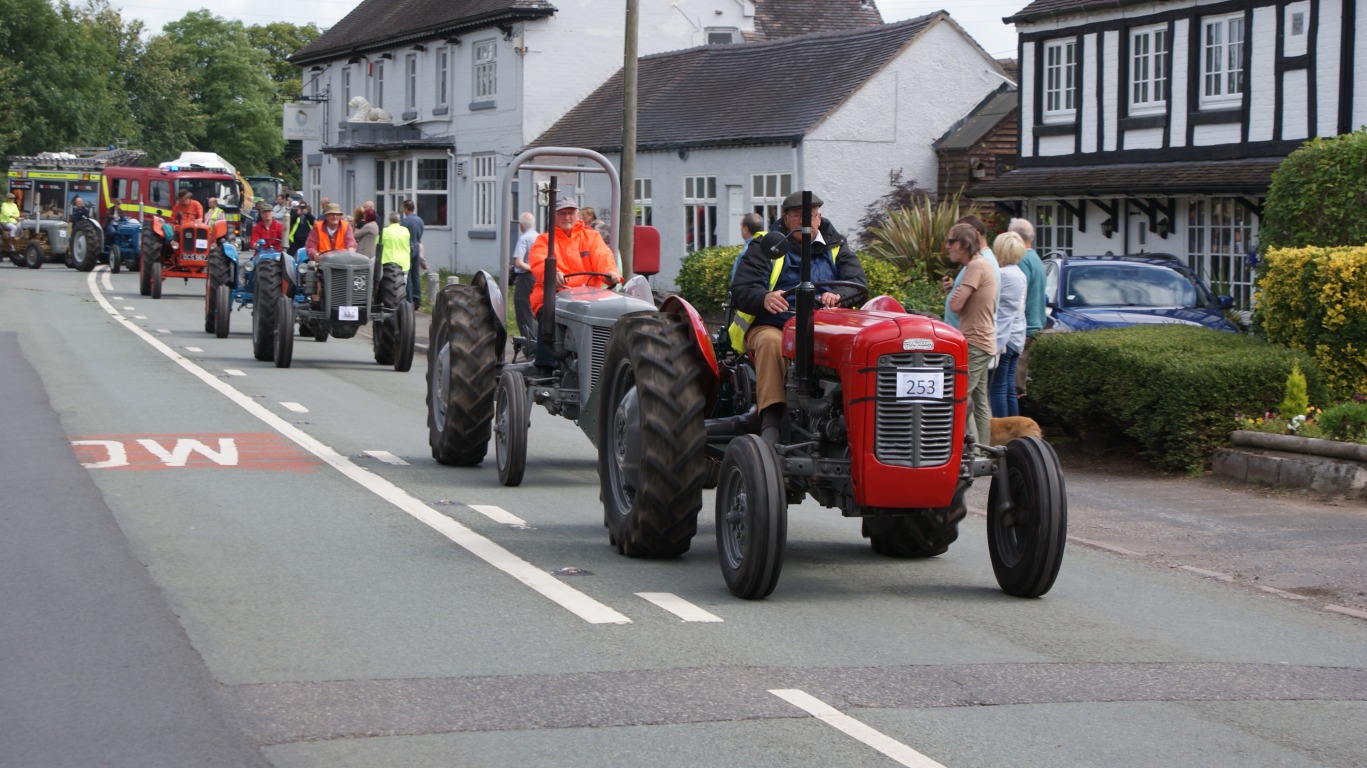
[1127,285]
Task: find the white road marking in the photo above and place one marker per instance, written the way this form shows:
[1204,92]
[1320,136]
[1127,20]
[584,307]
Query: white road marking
[193,349]
[1281,592]
[108,284]
[548,586]
[1211,574]
[831,716]
[1107,547]
[499,515]
[387,458]
[163,330]
[128,307]
[1355,613]
[138,317]
[297,408]
[233,372]
[678,606]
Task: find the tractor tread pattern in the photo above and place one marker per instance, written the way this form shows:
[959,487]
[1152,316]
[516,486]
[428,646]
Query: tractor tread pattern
[463,322]
[265,311]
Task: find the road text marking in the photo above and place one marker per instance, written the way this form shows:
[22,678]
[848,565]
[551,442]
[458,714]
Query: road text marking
[387,458]
[499,515]
[678,606]
[847,725]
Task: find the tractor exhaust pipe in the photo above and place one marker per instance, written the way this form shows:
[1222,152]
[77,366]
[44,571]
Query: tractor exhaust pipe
[806,305]
[547,329]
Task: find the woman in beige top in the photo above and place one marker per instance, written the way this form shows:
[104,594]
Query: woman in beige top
[975,300]
[367,231]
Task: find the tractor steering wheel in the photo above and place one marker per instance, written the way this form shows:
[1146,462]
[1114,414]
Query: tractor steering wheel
[863,291]
[607,276]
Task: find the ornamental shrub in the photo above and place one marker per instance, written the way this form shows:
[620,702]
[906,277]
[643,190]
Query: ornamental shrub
[1318,195]
[1296,402]
[1174,390]
[1315,299]
[1346,422]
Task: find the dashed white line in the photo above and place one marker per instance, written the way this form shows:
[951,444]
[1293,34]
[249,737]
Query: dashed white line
[847,725]
[678,606]
[499,515]
[387,458]
[129,307]
[553,589]
[137,317]
[193,349]
[233,372]
[297,408]
[163,330]
[1355,613]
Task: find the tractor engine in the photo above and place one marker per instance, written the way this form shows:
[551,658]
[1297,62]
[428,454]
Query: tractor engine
[881,423]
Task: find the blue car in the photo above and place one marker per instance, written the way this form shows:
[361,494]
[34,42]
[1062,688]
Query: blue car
[1089,292]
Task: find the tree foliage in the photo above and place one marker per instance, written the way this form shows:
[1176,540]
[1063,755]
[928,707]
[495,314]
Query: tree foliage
[1318,195]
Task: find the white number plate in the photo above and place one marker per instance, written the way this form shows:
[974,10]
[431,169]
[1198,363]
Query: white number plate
[920,384]
[348,313]
[201,245]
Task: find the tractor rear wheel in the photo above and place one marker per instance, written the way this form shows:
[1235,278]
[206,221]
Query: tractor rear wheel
[1026,542]
[510,427]
[917,533]
[151,254]
[265,310]
[407,337]
[87,242]
[284,332]
[223,311]
[462,365]
[389,295]
[33,256]
[115,259]
[752,517]
[156,279]
[651,436]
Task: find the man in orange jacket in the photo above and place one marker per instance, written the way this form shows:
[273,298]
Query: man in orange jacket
[186,209]
[578,248]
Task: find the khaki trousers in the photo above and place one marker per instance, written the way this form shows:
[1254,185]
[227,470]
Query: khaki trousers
[980,425]
[765,345]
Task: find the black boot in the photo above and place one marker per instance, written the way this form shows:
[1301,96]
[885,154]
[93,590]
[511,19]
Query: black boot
[770,419]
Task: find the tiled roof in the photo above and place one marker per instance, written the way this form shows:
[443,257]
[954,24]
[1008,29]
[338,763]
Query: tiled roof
[1230,177]
[375,23]
[1043,9]
[719,95]
[775,19]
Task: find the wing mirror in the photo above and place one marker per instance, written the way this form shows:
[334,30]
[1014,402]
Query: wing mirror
[774,245]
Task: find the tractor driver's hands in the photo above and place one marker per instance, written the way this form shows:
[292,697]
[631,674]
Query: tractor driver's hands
[614,279]
[560,282]
[829,299]
[775,302]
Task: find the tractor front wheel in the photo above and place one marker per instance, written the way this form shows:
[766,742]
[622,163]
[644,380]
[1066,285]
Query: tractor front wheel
[1026,541]
[265,309]
[752,517]
[33,256]
[115,259]
[510,427]
[651,437]
[87,241]
[223,311]
[462,365]
[284,332]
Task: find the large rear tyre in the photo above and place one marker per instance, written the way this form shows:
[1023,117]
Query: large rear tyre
[462,365]
[151,254]
[407,339]
[115,259]
[385,333]
[219,272]
[155,277]
[917,533]
[284,332]
[87,243]
[651,460]
[511,419]
[33,256]
[752,517]
[1026,542]
[223,311]
[265,309]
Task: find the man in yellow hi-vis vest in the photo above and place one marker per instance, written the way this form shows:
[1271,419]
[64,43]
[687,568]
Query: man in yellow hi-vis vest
[758,295]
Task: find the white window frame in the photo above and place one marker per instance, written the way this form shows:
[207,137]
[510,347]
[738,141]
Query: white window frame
[700,212]
[643,206]
[1220,234]
[379,85]
[432,189]
[1060,81]
[398,183]
[346,89]
[410,90]
[767,191]
[443,78]
[315,184]
[484,174]
[1150,48]
[1222,60]
[1054,228]
[485,70]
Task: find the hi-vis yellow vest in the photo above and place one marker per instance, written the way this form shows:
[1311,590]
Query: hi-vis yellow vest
[741,324]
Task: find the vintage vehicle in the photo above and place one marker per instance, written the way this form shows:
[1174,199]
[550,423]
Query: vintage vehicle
[122,241]
[142,193]
[177,250]
[45,186]
[473,394]
[355,290]
[877,425]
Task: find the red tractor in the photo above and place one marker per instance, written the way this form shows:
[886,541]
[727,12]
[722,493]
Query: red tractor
[180,250]
[877,423]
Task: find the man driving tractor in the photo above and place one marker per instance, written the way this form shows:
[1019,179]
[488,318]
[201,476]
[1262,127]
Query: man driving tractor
[187,209]
[578,248]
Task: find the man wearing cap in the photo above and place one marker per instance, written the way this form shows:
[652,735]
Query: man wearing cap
[757,293]
[186,209]
[9,214]
[333,233]
[578,248]
[267,229]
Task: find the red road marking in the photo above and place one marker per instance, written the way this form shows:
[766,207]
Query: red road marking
[242,450]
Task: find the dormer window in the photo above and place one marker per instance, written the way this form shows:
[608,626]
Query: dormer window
[723,35]
[1149,51]
[1060,81]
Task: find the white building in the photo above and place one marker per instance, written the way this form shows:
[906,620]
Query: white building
[1155,126]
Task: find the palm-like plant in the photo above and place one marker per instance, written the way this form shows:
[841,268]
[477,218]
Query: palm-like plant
[913,238]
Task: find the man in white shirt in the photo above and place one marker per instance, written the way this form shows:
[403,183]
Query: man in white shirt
[523,279]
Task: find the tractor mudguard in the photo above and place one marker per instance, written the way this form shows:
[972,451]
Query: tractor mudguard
[230,251]
[494,293]
[703,344]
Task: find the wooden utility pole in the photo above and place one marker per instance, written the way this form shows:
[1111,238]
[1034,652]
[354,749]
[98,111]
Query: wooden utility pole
[627,216]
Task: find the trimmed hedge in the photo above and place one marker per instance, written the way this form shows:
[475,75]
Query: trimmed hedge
[1318,195]
[1173,389]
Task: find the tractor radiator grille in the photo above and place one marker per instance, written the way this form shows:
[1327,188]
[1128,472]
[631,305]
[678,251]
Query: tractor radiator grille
[913,434]
[348,286]
[600,352]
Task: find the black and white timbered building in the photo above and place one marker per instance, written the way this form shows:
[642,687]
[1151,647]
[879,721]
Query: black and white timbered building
[1155,126]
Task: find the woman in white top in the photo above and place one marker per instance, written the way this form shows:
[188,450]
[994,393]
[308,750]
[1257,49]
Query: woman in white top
[1009,248]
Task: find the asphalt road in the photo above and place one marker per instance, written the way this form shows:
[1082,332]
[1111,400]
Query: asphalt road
[265,567]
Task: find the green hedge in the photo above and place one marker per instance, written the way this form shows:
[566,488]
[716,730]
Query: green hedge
[1175,390]
[705,281]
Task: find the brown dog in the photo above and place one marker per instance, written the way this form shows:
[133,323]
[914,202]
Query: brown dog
[1008,428]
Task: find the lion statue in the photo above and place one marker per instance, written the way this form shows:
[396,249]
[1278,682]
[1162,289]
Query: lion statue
[362,112]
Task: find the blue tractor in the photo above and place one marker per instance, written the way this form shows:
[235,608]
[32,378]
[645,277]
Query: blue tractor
[231,282]
[122,242]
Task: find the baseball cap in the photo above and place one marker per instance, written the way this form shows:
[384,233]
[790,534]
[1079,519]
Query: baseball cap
[795,201]
[565,201]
